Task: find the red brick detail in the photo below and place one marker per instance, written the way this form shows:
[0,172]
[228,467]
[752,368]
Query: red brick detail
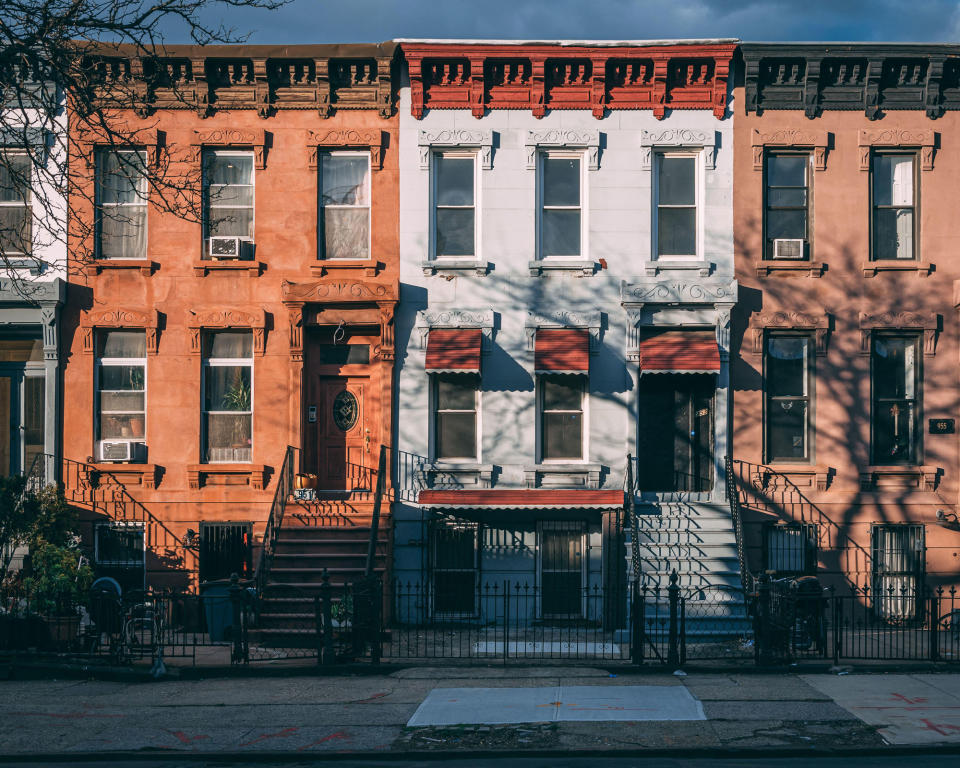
[541,77]
[454,349]
[680,351]
[562,350]
[505,498]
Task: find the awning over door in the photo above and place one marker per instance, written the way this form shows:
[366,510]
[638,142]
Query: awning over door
[562,350]
[680,352]
[454,350]
[520,498]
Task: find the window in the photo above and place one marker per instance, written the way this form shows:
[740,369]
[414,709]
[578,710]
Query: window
[122,388]
[228,396]
[788,383]
[455,553]
[676,204]
[787,201]
[561,418]
[561,227]
[120,553]
[790,549]
[561,569]
[894,202]
[896,401]
[16,218]
[899,554]
[227,197]
[121,203]
[225,549]
[454,195]
[675,448]
[345,205]
[455,417]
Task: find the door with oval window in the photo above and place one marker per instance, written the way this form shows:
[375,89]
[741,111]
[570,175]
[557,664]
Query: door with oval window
[343,434]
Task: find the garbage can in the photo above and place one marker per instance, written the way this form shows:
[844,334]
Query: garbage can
[808,613]
[217,609]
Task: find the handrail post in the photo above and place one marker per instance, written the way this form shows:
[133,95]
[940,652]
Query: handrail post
[375,523]
[673,593]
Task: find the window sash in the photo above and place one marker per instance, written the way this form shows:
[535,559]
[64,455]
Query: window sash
[788,401]
[546,450]
[16,215]
[904,246]
[230,202]
[104,413]
[791,549]
[904,447]
[126,235]
[221,454]
[545,209]
[133,531]
[330,249]
[660,228]
[771,207]
[438,207]
[438,418]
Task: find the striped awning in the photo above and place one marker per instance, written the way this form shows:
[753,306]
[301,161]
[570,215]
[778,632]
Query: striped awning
[680,352]
[562,350]
[520,498]
[454,350]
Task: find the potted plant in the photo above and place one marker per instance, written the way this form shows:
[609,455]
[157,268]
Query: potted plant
[59,582]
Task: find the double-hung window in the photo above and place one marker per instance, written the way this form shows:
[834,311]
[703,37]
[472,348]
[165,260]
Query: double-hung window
[788,382]
[790,549]
[787,206]
[121,392]
[676,194]
[561,405]
[454,205]
[16,216]
[345,205]
[121,204]
[896,399]
[561,205]
[893,229]
[899,555]
[120,552]
[455,398]
[228,195]
[228,397]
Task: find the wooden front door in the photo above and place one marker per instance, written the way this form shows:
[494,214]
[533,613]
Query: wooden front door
[343,433]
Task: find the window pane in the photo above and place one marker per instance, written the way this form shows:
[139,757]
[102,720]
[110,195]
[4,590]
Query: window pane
[561,233]
[893,233]
[123,344]
[677,231]
[346,233]
[787,198]
[122,401]
[229,169]
[787,170]
[228,388]
[894,367]
[228,436]
[562,436]
[344,180]
[343,354]
[787,366]
[787,429]
[220,196]
[20,351]
[456,435]
[454,180]
[230,222]
[561,181]
[121,426]
[123,232]
[676,181]
[15,177]
[562,393]
[119,545]
[229,344]
[15,229]
[892,180]
[787,549]
[893,432]
[455,235]
[34,419]
[122,377]
[121,177]
[787,224]
[456,393]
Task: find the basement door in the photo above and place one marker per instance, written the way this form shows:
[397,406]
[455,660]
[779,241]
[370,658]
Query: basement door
[343,434]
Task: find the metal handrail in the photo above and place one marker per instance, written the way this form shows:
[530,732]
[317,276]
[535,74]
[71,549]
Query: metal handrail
[281,493]
[733,498]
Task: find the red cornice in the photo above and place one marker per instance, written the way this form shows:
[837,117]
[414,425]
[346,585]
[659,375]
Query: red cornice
[542,77]
[521,497]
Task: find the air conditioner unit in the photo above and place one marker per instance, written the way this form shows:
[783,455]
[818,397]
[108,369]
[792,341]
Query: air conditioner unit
[787,248]
[116,450]
[224,247]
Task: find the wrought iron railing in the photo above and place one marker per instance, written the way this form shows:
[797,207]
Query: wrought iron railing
[282,492]
[733,498]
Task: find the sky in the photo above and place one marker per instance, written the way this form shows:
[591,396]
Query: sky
[325,21]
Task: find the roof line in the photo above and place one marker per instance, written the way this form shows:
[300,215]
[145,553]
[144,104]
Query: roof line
[571,43]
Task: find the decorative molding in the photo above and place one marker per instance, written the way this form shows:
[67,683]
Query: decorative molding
[451,138]
[372,139]
[929,323]
[336,290]
[199,475]
[677,138]
[121,136]
[922,478]
[592,321]
[677,292]
[201,320]
[562,139]
[484,319]
[120,317]
[234,137]
[924,138]
[819,140]
[818,322]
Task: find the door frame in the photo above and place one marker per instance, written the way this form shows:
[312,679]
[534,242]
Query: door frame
[18,373]
[566,525]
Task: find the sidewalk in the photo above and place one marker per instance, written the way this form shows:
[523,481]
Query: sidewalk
[583,709]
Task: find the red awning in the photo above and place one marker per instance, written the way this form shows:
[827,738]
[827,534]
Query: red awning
[521,498]
[454,350]
[680,352]
[562,350]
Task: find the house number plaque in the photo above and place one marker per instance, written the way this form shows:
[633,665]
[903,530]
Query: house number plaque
[942,426]
[346,410]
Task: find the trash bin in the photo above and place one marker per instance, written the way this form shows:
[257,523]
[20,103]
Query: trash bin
[217,609]
[808,613]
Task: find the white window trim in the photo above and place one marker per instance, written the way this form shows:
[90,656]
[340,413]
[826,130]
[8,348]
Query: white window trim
[446,261]
[142,202]
[117,361]
[580,155]
[225,362]
[584,423]
[321,244]
[27,204]
[119,525]
[206,200]
[659,154]
[434,424]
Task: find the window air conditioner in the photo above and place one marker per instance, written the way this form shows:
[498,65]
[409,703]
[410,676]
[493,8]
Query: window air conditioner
[115,450]
[223,247]
[787,249]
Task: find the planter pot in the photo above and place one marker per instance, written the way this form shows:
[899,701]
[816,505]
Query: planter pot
[61,631]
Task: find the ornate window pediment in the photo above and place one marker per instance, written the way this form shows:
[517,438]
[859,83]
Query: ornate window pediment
[924,139]
[563,139]
[927,322]
[427,141]
[120,317]
[201,320]
[345,138]
[593,322]
[484,319]
[678,138]
[122,136]
[789,138]
[234,137]
[818,322]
